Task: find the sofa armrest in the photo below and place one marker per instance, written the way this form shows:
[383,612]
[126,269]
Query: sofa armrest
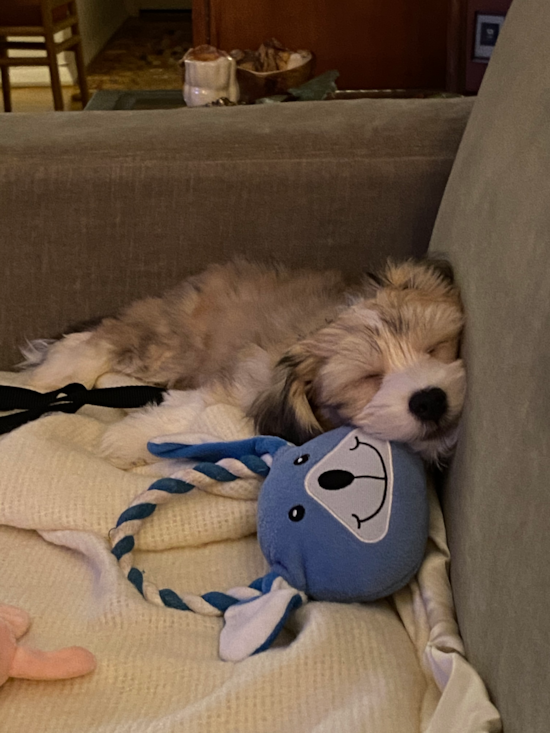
[98,208]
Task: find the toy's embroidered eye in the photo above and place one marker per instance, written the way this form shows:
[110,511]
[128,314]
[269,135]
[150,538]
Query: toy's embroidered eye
[297,513]
[301,459]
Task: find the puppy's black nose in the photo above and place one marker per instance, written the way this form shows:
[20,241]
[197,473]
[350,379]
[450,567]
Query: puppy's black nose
[429,405]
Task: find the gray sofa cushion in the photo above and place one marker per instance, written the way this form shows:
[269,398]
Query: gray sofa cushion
[98,208]
[495,224]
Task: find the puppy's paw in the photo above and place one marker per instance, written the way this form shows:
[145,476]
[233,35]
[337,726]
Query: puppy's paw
[124,444]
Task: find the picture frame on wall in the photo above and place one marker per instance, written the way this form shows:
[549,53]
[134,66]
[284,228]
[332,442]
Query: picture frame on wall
[474,27]
[487,29]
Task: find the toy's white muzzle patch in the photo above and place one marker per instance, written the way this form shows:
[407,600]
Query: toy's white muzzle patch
[354,482]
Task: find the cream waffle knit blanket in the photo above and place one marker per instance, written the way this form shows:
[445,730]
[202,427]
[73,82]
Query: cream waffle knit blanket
[390,667]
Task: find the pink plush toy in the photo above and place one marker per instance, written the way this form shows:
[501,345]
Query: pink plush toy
[32,664]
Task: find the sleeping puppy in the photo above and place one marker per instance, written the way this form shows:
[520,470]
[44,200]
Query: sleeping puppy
[300,351]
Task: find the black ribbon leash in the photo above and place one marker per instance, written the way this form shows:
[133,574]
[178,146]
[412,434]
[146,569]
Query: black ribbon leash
[69,399]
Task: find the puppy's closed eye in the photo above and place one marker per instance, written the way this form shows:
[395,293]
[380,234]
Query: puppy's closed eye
[375,377]
[445,351]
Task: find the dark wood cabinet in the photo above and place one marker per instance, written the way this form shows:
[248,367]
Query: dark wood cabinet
[375,44]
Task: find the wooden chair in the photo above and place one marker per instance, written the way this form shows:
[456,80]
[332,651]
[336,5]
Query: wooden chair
[40,18]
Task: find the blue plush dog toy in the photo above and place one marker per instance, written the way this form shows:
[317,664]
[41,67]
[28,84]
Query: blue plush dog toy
[343,517]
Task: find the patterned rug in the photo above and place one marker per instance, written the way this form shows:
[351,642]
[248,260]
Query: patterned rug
[142,54]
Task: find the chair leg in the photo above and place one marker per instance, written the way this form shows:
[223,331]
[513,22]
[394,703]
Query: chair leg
[6,95]
[6,91]
[81,69]
[79,58]
[56,81]
[52,62]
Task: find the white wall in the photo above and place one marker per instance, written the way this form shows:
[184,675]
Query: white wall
[98,19]
[38,76]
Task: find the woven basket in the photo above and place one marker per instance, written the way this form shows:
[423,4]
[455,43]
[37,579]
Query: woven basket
[256,84]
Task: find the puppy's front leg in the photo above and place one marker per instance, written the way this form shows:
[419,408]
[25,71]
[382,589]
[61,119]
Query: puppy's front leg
[124,443]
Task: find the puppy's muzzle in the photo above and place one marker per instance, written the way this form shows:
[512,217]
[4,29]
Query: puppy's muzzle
[429,405]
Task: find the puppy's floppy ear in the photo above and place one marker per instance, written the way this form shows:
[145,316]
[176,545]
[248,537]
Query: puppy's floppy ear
[284,409]
[440,266]
[430,274]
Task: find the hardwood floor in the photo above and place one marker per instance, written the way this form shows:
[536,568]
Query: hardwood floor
[39,99]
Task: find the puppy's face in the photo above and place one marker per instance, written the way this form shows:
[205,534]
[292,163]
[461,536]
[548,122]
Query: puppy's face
[388,364]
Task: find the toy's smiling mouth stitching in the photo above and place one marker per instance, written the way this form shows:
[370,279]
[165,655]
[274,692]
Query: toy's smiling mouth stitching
[377,511]
[338,479]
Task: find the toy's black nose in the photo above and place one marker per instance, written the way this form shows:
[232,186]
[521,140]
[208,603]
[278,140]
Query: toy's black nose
[429,405]
[336,479]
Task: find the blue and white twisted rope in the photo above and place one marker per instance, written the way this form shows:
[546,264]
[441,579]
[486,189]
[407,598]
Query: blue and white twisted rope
[205,476]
